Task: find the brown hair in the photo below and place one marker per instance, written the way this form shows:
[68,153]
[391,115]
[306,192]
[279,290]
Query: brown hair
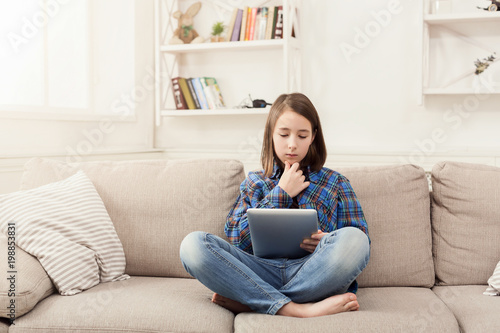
[298,103]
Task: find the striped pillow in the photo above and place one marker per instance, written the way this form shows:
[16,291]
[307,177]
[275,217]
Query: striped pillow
[66,226]
[494,283]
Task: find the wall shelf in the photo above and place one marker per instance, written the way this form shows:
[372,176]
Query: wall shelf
[215,112]
[450,44]
[479,17]
[263,68]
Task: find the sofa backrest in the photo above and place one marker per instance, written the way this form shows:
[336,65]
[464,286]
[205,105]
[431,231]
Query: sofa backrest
[395,200]
[465,222]
[154,204]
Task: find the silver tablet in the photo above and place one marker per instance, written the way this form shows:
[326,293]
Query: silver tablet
[277,233]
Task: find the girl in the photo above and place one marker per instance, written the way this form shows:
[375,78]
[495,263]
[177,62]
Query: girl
[321,283]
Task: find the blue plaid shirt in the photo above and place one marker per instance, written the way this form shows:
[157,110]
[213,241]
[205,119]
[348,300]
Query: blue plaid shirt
[329,193]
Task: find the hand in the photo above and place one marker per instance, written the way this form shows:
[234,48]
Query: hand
[292,180]
[309,244]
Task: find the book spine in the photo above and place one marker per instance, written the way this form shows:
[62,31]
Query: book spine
[269,24]
[243,28]
[263,23]
[187,93]
[208,93]
[215,88]
[253,16]
[199,93]
[249,21]
[278,34]
[256,24]
[180,102]
[275,18]
[193,93]
[237,26]
[230,27]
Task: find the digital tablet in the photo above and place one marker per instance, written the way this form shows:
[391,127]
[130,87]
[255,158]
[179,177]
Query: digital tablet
[277,233]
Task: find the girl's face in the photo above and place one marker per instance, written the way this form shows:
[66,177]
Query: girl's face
[292,137]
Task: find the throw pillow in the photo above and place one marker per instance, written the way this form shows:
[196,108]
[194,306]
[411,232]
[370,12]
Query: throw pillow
[66,226]
[494,283]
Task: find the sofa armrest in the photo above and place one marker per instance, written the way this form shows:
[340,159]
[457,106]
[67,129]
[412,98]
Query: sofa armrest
[24,282]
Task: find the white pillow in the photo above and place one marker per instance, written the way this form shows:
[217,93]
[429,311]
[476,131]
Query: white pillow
[494,283]
[66,226]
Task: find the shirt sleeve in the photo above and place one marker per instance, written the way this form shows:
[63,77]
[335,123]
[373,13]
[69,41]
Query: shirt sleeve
[254,193]
[349,212]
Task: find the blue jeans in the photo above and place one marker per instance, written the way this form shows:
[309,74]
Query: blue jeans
[265,285]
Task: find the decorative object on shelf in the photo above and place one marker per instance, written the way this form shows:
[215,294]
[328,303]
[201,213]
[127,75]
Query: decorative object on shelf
[481,66]
[217,30]
[250,103]
[185,33]
[493,7]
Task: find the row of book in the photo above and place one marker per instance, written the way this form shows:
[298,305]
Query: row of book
[197,93]
[255,23]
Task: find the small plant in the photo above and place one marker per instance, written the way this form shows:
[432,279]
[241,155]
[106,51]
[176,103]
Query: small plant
[217,28]
[485,63]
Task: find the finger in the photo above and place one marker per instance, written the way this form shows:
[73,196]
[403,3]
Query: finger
[305,185]
[295,166]
[287,166]
[308,248]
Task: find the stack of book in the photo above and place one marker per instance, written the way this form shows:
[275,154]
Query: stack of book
[197,93]
[252,23]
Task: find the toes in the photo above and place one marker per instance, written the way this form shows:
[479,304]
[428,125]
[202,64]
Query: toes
[352,306]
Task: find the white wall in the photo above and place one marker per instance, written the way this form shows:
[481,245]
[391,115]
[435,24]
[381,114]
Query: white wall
[367,100]
[368,103]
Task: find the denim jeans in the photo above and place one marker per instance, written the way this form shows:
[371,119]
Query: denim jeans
[265,285]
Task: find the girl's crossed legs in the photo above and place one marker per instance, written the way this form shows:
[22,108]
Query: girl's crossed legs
[311,286]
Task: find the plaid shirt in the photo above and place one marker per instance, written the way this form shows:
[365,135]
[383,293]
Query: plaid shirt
[329,193]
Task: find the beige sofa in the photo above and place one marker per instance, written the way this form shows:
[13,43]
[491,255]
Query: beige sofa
[425,275]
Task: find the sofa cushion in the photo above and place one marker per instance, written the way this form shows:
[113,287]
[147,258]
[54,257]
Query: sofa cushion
[494,283]
[32,284]
[475,312]
[65,225]
[395,200]
[140,304]
[154,204]
[465,222]
[4,325]
[395,309]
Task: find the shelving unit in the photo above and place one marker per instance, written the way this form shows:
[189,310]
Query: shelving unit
[478,30]
[173,60]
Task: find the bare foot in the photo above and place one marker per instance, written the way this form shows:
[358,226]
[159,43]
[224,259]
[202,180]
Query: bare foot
[229,304]
[328,306]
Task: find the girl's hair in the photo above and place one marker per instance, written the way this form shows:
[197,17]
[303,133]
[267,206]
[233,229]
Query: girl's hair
[298,103]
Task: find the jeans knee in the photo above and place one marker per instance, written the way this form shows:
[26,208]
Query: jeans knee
[190,249]
[353,245]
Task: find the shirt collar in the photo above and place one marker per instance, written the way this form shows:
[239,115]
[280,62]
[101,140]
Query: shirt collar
[311,176]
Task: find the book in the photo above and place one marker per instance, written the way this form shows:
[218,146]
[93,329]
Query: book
[278,32]
[237,26]
[243,28]
[210,96]
[249,21]
[270,24]
[200,94]
[251,30]
[186,93]
[263,23]
[193,93]
[230,27]
[275,18]
[212,82]
[180,101]
[256,24]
